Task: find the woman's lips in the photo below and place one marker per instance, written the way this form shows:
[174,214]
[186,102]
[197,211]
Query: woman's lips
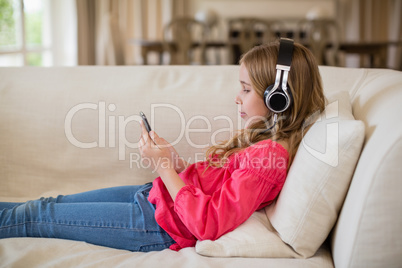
[242,114]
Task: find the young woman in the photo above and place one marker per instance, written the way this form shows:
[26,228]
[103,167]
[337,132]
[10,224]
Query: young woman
[200,201]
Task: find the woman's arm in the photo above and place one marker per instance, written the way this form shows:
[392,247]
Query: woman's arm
[171,180]
[165,160]
[178,162]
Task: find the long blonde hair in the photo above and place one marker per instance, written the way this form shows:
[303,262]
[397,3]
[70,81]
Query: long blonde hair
[308,99]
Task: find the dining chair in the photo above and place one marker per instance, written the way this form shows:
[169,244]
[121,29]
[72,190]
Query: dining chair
[245,33]
[322,37]
[182,38]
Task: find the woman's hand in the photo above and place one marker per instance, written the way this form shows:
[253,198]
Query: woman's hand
[178,162]
[160,152]
[162,156]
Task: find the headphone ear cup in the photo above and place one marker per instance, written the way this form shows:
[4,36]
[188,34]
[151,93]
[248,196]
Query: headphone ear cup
[277,101]
[266,92]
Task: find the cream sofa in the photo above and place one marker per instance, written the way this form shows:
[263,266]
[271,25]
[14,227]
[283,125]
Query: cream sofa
[67,130]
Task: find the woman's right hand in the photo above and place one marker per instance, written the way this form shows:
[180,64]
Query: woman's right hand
[179,163]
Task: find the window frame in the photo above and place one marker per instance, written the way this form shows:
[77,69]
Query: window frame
[24,51]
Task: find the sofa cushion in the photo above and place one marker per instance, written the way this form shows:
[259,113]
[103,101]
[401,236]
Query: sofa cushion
[307,208]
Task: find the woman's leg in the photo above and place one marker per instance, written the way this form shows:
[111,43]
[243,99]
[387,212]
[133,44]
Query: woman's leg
[8,205]
[119,194]
[123,225]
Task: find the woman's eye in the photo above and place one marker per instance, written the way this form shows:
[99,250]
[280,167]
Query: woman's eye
[246,90]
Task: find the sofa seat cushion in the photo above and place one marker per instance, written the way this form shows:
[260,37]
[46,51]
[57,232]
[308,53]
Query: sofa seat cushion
[35,253]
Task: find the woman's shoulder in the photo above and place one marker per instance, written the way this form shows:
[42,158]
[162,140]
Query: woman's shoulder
[279,147]
[265,150]
[267,159]
[284,144]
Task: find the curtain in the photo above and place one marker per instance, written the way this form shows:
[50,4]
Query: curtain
[372,20]
[108,29]
[86,31]
[395,53]
[381,21]
[104,27]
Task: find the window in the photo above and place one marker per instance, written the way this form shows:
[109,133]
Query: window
[25,34]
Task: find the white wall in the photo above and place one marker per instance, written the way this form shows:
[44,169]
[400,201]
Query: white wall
[267,9]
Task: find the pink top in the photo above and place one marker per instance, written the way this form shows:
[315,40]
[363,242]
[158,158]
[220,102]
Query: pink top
[217,200]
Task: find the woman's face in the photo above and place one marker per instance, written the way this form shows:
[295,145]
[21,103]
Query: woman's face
[252,106]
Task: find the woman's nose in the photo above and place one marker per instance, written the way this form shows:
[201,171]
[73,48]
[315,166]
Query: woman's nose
[238,100]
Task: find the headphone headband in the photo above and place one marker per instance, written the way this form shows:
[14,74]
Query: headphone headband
[277,97]
[285,52]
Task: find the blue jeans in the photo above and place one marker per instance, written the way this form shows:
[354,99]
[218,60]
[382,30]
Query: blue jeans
[119,217]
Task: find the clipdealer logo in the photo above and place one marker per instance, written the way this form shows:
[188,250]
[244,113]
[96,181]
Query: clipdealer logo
[115,125]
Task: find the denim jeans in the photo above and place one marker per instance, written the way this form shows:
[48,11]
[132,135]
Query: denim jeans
[118,217]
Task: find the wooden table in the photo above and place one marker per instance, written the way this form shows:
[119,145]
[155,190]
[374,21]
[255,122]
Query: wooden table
[148,46]
[377,51]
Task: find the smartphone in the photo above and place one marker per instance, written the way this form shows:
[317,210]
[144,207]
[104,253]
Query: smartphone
[145,120]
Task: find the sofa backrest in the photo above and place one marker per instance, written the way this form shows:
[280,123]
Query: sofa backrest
[368,232]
